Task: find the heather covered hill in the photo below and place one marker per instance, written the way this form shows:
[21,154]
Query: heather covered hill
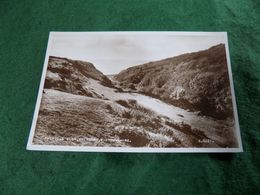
[71,75]
[151,105]
[196,81]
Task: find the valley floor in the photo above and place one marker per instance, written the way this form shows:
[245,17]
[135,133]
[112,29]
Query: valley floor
[122,119]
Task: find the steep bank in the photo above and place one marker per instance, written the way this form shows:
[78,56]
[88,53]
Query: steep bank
[195,81]
[71,75]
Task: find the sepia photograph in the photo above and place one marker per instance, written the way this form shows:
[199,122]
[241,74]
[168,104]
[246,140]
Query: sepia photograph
[136,92]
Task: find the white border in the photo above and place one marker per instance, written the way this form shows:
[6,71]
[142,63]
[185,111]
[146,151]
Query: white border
[31,146]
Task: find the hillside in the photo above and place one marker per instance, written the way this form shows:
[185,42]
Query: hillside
[71,75]
[196,81]
[81,106]
[124,120]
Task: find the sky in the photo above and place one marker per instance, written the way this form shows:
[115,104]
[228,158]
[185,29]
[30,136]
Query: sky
[113,52]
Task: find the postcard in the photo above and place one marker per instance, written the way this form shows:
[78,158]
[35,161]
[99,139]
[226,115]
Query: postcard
[161,92]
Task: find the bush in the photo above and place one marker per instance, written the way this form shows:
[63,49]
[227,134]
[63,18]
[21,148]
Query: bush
[123,103]
[126,114]
[144,110]
[132,102]
[109,108]
[132,86]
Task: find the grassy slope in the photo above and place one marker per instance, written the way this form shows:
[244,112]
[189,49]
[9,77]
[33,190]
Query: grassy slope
[195,81]
[67,119]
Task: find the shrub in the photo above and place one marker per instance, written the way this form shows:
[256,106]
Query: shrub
[132,86]
[109,108]
[144,110]
[126,114]
[123,103]
[132,102]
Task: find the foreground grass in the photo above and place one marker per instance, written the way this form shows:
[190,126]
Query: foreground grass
[67,119]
